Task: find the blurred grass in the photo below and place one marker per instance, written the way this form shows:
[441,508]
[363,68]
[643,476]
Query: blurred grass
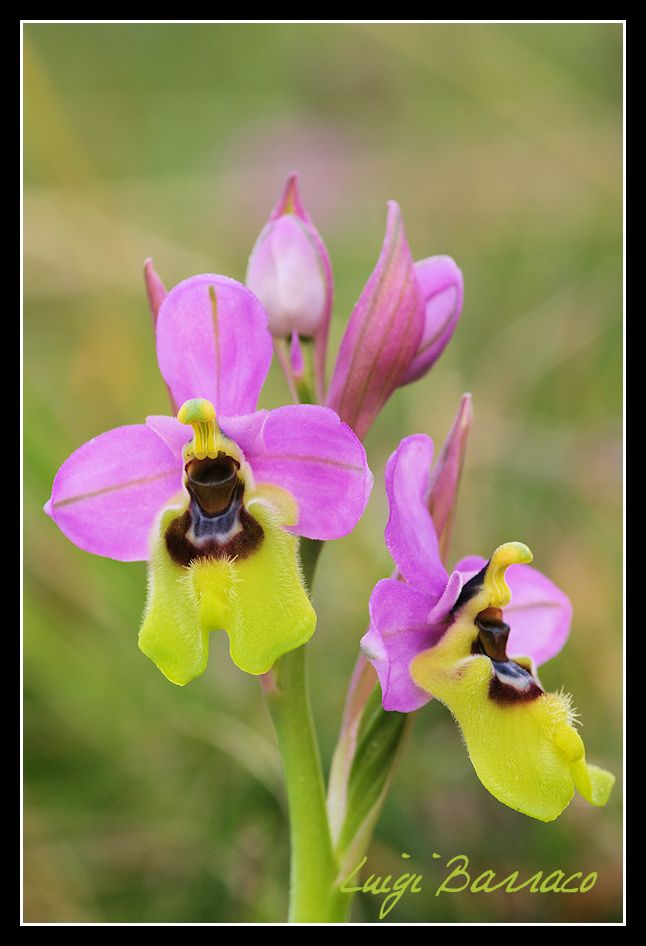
[502,143]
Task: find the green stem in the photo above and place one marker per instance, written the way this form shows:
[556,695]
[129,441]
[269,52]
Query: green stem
[313,897]
[365,760]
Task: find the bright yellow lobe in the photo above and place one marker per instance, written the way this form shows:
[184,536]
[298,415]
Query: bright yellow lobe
[259,600]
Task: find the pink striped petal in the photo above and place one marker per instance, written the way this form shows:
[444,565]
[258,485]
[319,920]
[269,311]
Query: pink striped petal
[213,343]
[410,534]
[107,494]
[307,450]
[382,336]
[442,290]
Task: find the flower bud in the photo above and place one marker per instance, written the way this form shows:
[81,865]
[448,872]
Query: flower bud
[289,270]
[383,334]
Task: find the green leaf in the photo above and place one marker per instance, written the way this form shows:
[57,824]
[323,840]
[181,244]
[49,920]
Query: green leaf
[379,739]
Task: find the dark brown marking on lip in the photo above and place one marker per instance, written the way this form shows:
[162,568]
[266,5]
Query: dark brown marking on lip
[183,551]
[523,689]
[510,682]
[219,524]
[214,483]
[493,633]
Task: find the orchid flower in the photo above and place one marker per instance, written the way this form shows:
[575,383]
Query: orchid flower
[399,327]
[475,641]
[215,510]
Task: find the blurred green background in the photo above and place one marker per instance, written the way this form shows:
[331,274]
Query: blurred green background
[502,143]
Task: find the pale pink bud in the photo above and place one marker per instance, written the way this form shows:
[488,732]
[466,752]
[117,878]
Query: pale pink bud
[289,270]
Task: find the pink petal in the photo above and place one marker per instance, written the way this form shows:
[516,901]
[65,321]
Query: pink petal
[382,336]
[443,607]
[107,494]
[213,343]
[539,615]
[410,533]
[399,630]
[442,289]
[246,431]
[470,566]
[174,434]
[308,451]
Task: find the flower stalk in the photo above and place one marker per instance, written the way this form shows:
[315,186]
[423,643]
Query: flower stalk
[313,897]
[313,866]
